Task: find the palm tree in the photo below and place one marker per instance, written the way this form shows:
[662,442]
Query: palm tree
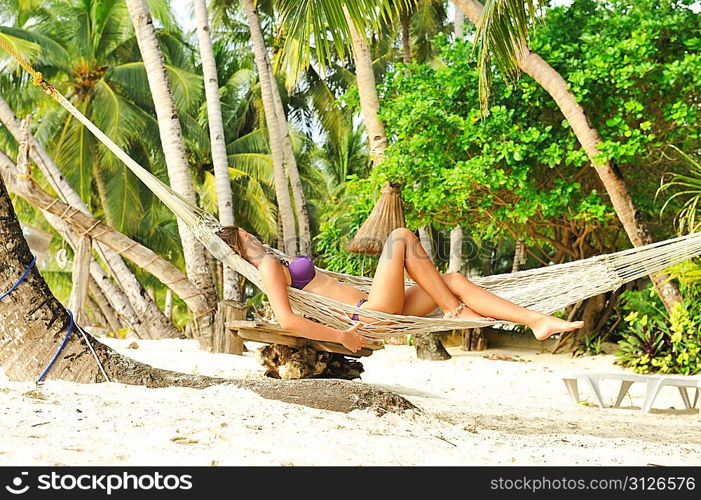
[367,90]
[342,22]
[248,151]
[419,23]
[90,91]
[455,254]
[231,286]
[286,212]
[301,210]
[82,223]
[502,32]
[173,148]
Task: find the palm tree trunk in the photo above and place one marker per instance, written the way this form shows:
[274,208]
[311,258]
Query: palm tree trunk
[106,308]
[83,224]
[95,316]
[367,91]
[168,306]
[429,345]
[454,266]
[175,154]
[220,163]
[285,211]
[305,239]
[405,20]
[80,277]
[131,298]
[611,177]
[519,255]
[455,255]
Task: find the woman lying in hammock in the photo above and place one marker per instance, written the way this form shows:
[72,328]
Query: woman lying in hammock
[452,292]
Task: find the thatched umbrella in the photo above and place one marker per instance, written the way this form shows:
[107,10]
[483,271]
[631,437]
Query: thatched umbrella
[386,215]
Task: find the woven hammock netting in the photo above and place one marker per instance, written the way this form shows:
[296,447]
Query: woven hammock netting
[546,289]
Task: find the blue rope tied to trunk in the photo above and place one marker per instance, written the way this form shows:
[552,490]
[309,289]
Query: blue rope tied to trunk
[60,349]
[71,325]
[19,281]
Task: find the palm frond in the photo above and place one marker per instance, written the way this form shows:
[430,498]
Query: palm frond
[501,33]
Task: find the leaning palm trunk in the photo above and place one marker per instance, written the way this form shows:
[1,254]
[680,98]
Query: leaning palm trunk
[286,214]
[175,154]
[129,299]
[305,240]
[57,215]
[222,180]
[85,225]
[112,321]
[612,179]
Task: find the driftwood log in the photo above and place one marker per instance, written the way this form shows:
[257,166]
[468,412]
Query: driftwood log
[288,363]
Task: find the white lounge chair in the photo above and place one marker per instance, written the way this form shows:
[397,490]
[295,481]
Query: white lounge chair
[654,384]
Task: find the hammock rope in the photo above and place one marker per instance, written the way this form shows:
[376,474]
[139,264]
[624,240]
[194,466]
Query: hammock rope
[545,290]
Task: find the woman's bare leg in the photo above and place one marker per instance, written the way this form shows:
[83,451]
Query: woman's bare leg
[403,249]
[487,304]
[483,303]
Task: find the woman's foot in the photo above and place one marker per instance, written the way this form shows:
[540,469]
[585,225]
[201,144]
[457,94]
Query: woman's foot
[550,325]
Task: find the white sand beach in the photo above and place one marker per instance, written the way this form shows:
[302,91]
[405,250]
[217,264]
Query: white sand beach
[473,411]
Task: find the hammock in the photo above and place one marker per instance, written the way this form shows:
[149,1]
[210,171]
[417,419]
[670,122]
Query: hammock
[545,290]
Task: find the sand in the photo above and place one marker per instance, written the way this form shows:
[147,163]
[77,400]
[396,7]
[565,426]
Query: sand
[473,411]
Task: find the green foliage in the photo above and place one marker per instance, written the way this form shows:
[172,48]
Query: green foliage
[496,174]
[687,186]
[521,170]
[340,222]
[652,345]
[591,344]
[647,341]
[655,341]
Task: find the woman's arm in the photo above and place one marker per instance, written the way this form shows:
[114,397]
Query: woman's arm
[274,281]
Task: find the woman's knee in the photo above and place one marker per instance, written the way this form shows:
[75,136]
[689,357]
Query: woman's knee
[402,232]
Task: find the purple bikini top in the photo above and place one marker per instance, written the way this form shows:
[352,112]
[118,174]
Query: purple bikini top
[301,270]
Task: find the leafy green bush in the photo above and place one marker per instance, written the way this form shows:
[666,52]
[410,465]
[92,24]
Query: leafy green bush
[655,341]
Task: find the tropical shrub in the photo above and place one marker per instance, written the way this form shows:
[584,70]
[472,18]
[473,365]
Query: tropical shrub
[654,341]
[520,171]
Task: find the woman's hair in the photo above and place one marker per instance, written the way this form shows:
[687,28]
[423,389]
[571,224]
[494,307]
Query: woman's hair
[230,236]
